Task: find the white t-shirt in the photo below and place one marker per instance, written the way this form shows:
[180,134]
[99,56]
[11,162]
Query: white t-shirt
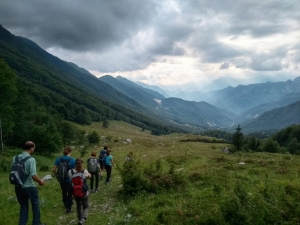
[86,174]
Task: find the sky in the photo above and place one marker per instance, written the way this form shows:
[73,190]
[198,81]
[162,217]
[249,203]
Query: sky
[169,42]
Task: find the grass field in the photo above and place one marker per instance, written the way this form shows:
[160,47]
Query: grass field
[205,185]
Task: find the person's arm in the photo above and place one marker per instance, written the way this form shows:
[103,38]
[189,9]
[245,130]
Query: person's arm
[70,174]
[54,170]
[38,180]
[112,162]
[87,174]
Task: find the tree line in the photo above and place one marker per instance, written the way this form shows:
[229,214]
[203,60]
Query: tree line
[28,109]
[286,140]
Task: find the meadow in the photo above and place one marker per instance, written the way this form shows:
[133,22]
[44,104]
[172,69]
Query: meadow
[170,182]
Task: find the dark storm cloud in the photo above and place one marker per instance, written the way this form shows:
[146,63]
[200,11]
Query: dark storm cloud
[128,35]
[76,25]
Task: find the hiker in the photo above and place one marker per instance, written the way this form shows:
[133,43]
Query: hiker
[28,191]
[93,169]
[129,156]
[102,155]
[80,190]
[109,163]
[60,170]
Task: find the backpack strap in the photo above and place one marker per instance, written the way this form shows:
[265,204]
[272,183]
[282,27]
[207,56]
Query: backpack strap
[17,159]
[22,162]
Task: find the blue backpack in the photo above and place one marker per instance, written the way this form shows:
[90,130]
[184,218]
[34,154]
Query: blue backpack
[102,155]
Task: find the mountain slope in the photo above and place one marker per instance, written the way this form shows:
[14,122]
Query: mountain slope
[259,110]
[150,91]
[154,88]
[193,114]
[58,84]
[244,97]
[131,90]
[275,119]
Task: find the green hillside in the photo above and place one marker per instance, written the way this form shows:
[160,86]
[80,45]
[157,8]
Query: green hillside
[171,182]
[275,119]
[40,93]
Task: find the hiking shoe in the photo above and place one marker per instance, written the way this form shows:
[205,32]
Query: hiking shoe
[106,182]
[81,221]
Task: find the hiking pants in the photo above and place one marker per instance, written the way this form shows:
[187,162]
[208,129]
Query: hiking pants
[82,207]
[108,169]
[23,196]
[94,176]
[67,197]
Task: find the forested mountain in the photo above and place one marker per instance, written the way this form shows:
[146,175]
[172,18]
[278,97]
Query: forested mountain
[191,114]
[259,110]
[275,119]
[132,90]
[39,92]
[154,88]
[244,97]
[150,91]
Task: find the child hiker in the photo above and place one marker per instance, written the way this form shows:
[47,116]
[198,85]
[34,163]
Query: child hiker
[80,189]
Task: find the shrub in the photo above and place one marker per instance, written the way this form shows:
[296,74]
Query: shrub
[137,178]
[44,168]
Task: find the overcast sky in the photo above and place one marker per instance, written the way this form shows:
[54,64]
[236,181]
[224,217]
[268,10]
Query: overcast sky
[164,41]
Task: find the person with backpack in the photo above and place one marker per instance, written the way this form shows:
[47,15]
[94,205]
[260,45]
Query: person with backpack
[108,163]
[80,190]
[22,175]
[102,155]
[93,169]
[60,170]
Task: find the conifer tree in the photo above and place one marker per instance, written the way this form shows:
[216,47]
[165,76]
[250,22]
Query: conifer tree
[237,139]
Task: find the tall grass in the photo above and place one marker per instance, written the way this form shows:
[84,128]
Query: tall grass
[172,182]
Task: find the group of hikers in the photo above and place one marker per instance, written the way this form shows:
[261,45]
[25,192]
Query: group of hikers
[68,171]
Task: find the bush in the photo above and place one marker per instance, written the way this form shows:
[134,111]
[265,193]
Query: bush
[44,168]
[137,178]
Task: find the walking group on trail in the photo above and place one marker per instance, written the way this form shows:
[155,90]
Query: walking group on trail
[70,174]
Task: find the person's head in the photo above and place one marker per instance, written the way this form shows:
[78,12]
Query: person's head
[79,164]
[105,147]
[130,154]
[29,147]
[108,151]
[67,150]
[93,154]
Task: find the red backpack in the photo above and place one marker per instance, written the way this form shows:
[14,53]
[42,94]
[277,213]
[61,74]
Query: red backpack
[79,184]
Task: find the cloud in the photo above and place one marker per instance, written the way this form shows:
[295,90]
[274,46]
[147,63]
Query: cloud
[161,40]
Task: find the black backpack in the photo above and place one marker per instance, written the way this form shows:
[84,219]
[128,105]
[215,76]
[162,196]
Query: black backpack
[63,168]
[17,174]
